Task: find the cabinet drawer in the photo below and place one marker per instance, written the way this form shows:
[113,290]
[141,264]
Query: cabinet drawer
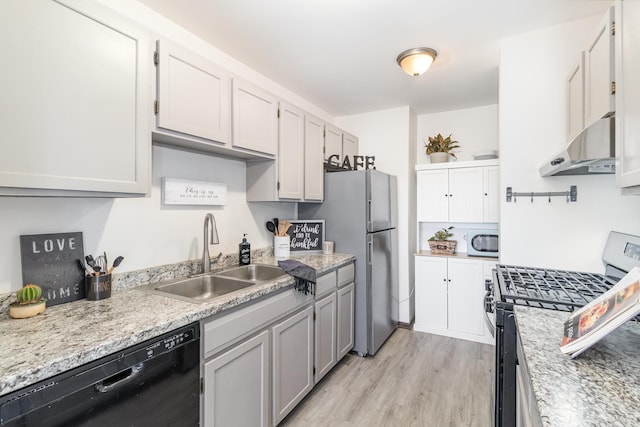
[228,329]
[326,283]
[346,275]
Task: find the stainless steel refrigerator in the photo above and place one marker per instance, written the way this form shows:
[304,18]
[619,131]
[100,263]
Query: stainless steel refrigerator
[360,213]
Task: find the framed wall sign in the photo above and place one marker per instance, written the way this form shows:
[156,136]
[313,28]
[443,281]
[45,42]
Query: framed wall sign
[306,235]
[51,262]
[189,192]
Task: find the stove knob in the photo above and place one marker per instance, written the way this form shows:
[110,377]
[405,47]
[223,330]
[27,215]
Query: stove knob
[488,285]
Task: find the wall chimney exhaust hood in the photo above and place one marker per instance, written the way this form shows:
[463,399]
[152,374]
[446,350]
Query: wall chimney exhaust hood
[591,152]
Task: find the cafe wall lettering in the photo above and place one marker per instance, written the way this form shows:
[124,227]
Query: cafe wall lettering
[51,262]
[355,163]
[306,236]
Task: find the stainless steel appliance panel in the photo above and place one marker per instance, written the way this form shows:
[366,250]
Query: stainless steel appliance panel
[382,307]
[378,199]
[347,214]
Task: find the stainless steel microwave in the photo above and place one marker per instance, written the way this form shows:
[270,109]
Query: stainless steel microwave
[483,243]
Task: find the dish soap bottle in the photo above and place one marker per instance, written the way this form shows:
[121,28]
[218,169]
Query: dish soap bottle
[245,251]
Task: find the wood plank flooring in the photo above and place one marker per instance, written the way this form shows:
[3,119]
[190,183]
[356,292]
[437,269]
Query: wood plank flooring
[416,379]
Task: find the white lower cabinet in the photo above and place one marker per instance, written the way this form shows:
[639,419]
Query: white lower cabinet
[237,386]
[334,319]
[346,327]
[292,362]
[326,333]
[449,297]
[261,360]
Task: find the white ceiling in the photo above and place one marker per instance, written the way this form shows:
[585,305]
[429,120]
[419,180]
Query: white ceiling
[341,54]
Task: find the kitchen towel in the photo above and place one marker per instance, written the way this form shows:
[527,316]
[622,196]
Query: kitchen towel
[305,276]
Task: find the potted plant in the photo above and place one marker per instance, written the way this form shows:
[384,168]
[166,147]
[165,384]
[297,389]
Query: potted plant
[440,244]
[439,148]
[29,302]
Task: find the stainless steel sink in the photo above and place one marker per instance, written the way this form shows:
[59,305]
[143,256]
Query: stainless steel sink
[203,287]
[253,272]
[208,286]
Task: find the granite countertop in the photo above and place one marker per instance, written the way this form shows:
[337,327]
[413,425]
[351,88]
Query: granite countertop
[601,387]
[69,335]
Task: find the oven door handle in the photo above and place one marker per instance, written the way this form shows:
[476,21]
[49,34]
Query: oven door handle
[488,299]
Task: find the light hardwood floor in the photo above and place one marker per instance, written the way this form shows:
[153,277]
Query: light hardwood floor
[416,379]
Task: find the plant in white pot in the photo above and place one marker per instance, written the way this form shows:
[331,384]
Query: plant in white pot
[439,148]
[439,243]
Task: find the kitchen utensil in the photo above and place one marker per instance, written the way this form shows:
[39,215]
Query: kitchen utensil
[271,227]
[101,262]
[90,260]
[116,262]
[85,267]
[276,223]
[96,269]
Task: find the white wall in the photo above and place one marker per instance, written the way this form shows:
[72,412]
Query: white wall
[532,125]
[142,230]
[476,129]
[386,135]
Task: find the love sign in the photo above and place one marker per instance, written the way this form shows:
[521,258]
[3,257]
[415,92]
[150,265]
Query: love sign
[51,262]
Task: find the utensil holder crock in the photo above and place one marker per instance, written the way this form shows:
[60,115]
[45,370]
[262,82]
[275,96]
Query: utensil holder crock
[281,248]
[98,287]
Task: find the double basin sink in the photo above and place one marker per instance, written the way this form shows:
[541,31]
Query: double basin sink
[205,287]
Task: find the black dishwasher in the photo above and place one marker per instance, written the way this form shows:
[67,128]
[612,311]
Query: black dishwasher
[154,383]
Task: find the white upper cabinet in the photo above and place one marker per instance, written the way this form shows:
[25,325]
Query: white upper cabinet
[599,61]
[291,153]
[458,194]
[75,102]
[194,95]
[332,142]
[575,99]
[349,146]
[466,195]
[255,118]
[628,96]
[313,161]
[491,190]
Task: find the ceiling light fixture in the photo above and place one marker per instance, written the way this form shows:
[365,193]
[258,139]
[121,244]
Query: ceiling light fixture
[417,60]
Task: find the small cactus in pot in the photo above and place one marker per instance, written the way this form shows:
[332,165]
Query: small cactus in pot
[29,302]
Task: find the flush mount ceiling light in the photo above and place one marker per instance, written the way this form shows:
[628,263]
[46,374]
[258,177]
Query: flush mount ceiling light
[417,60]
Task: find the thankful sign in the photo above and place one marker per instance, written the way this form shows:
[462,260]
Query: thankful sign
[51,262]
[306,235]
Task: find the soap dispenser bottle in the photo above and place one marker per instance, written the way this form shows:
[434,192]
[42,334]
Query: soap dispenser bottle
[245,251]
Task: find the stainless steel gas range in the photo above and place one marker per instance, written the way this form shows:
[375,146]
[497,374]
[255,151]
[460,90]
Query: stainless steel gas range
[546,289]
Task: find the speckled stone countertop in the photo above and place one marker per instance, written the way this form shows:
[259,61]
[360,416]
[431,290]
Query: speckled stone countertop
[69,335]
[600,387]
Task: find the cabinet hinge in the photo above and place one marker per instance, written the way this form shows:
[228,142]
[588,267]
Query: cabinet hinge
[324,133]
[201,385]
[278,113]
[613,28]
[314,371]
[156,58]
[156,107]
[278,186]
[613,88]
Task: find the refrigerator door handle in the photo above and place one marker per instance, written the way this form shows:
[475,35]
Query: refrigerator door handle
[370,257]
[369,220]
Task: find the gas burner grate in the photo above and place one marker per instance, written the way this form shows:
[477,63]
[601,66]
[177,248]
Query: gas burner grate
[549,288]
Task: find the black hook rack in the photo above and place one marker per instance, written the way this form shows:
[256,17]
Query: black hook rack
[571,195]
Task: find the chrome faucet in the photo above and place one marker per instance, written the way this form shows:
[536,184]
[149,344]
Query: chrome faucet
[206,260]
